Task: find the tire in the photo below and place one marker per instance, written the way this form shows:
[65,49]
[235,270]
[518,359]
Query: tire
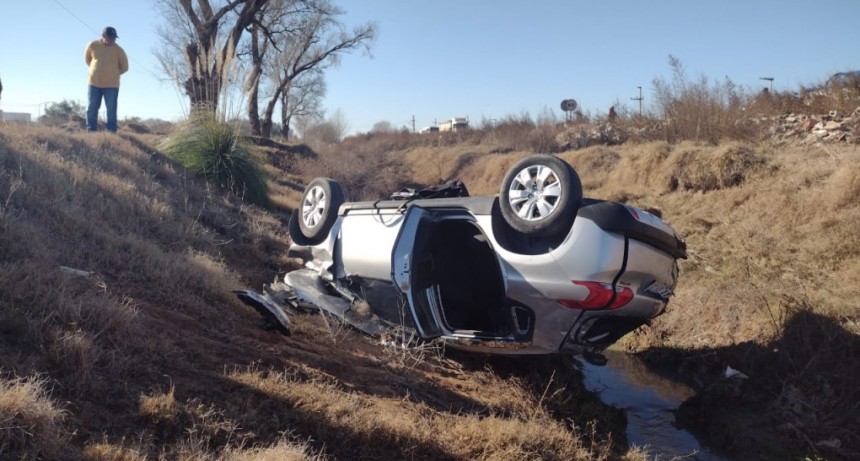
[540,195]
[319,206]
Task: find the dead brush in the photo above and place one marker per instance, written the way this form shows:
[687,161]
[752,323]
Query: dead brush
[283,450]
[11,181]
[403,347]
[160,407]
[699,169]
[191,428]
[337,331]
[107,451]
[699,109]
[31,425]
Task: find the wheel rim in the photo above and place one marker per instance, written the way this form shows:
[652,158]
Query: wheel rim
[535,192]
[313,206]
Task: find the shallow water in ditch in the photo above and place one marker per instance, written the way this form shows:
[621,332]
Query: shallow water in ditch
[648,400]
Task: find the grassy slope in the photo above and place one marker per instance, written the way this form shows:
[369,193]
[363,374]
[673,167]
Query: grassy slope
[152,357]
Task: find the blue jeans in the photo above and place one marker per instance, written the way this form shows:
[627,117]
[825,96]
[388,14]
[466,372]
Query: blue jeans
[110,96]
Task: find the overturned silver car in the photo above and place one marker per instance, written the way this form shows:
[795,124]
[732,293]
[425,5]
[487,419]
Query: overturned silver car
[536,269]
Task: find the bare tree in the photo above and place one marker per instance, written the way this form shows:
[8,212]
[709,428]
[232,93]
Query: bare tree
[269,30]
[303,99]
[329,131]
[207,39]
[309,38]
[383,126]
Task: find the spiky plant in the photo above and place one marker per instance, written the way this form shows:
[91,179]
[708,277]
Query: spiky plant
[216,150]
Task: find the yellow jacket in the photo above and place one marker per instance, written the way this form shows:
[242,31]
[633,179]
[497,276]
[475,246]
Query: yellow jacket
[106,63]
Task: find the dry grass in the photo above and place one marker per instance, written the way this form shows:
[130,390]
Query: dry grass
[30,422]
[520,428]
[282,451]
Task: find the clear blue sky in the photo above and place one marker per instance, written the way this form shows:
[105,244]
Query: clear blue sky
[466,58]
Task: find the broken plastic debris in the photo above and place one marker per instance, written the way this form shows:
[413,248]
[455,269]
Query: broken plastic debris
[78,272]
[732,373]
[833,443]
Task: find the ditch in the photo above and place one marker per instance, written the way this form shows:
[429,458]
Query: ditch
[649,401]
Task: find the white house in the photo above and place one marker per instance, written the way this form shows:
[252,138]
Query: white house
[454,124]
[14,116]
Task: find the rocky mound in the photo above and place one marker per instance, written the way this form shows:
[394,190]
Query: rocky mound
[833,127]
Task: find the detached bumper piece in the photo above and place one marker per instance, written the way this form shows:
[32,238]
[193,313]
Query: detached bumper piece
[275,305]
[274,315]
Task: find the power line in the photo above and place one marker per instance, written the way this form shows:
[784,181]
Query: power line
[75,16]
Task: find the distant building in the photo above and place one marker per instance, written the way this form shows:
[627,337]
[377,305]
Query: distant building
[14,116]
[429,129]
[454,124]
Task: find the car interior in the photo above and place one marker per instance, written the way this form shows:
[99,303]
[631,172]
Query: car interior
[469,279]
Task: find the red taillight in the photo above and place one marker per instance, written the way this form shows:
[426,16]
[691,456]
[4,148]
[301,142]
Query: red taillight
[600,296]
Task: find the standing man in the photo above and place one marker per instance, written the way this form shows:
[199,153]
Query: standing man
[107,62]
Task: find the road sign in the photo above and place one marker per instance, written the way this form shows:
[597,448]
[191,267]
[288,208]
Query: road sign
[568,105]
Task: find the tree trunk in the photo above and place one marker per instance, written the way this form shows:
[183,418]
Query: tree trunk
[253,83]
[285,129]
[209,65]
[267,128]
[253,111]
[199,86]
[269,113]
[285,116]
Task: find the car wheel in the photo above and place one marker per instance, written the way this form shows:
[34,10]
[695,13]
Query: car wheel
[320,202]
[540,195]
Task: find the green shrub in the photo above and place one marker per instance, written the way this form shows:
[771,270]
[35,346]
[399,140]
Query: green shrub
[216,150]
[58,113]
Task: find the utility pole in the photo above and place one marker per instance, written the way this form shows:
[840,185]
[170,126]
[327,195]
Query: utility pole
[770,80]
[413,123]
[640,98]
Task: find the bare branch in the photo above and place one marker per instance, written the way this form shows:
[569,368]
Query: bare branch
[312,40]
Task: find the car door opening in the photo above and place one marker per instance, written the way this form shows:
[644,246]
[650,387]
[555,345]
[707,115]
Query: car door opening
[467,273]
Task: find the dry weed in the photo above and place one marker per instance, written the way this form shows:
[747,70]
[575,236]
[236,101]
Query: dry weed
[844,186]
[160,407]
[284,450]
[107,451]
[30,423]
